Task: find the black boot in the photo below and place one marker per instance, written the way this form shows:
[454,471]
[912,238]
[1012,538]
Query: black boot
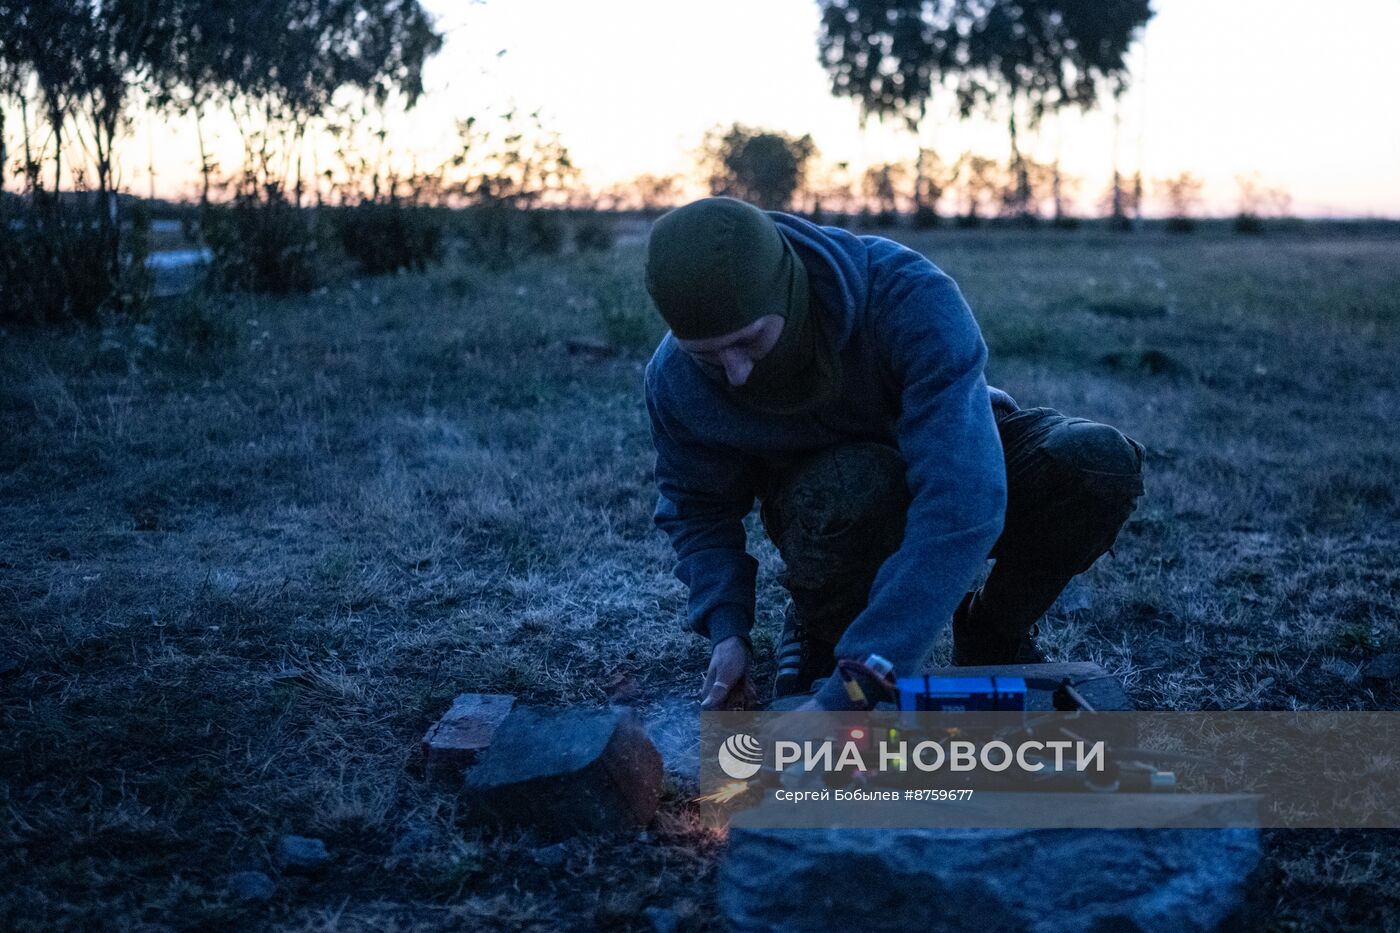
[977,645]
[802,658]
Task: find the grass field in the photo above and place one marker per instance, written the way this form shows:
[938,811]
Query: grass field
[250,549]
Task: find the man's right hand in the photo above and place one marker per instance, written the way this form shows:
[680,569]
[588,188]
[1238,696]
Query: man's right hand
[727,683]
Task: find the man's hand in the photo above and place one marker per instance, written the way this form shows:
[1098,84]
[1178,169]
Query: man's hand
[727,683]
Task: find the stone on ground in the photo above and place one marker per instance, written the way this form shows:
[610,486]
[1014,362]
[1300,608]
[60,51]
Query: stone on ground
[561,772]
[463,733]
[1044,881]
[301,854]
[551,856]
[409,843]
[251,886]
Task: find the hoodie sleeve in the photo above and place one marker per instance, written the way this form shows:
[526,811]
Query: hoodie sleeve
[956,472]
[705,493]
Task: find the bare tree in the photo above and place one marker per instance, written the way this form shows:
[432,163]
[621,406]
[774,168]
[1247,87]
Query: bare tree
[883,186]
[1258,201]
[1183,196]
[1062,189]
[977,179]
[932,177]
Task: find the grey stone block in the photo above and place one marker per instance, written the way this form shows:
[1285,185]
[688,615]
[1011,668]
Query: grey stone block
[561,772]
[1044,881]
[463,733]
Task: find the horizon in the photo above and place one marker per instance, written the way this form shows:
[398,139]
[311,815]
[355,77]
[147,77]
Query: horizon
[1214,91]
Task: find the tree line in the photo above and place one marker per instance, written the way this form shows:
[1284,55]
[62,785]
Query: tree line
[780,171]
[73,73]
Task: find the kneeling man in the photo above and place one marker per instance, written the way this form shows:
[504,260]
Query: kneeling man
[838,380]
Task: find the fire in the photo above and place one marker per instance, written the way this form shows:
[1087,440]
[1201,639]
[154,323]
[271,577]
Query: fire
[725,794]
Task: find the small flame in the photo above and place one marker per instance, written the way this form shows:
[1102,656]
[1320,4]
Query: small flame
[725,794]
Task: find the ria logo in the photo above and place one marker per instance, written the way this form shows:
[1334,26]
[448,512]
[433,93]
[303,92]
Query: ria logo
[740,756]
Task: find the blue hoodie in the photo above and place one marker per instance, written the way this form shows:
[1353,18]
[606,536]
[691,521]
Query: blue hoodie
[912,361]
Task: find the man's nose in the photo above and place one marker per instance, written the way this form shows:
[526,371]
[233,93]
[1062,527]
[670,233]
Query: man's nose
[737,367]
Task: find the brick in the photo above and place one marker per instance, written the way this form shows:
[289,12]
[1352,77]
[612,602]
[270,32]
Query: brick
[457,739]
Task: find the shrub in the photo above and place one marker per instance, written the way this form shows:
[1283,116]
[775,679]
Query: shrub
[500,235]
[925,218]
[544,232]
[1251,224]
[58,263]
[594,234]
[263,243]
[488,230]
[388,236]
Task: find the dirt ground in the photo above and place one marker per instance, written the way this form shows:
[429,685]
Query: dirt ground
[251,548]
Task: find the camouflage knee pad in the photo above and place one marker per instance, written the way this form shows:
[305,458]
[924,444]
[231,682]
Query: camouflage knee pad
[1071,483]
[835,517]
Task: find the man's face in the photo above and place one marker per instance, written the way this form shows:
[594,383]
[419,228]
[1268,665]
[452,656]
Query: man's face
[732,356]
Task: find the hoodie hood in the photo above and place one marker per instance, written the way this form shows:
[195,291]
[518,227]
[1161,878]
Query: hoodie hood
[838,265]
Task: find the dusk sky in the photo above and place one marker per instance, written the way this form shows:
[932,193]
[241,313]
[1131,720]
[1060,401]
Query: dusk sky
[1300,92]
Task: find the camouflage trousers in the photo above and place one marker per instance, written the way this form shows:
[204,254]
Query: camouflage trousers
[836,515]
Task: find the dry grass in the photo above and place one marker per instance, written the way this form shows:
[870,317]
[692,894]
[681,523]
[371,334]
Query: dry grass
[252,548]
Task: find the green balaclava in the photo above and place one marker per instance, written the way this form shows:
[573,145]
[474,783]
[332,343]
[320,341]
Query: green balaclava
[717,265]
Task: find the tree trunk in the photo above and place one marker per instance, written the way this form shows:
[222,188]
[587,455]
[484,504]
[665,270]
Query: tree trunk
[203,154]
[30,175]
[57,155]
[1022,192]
[299,138]
[1119,217]
[1058,186]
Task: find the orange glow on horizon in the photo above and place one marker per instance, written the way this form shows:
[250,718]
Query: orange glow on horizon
[1220,90]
